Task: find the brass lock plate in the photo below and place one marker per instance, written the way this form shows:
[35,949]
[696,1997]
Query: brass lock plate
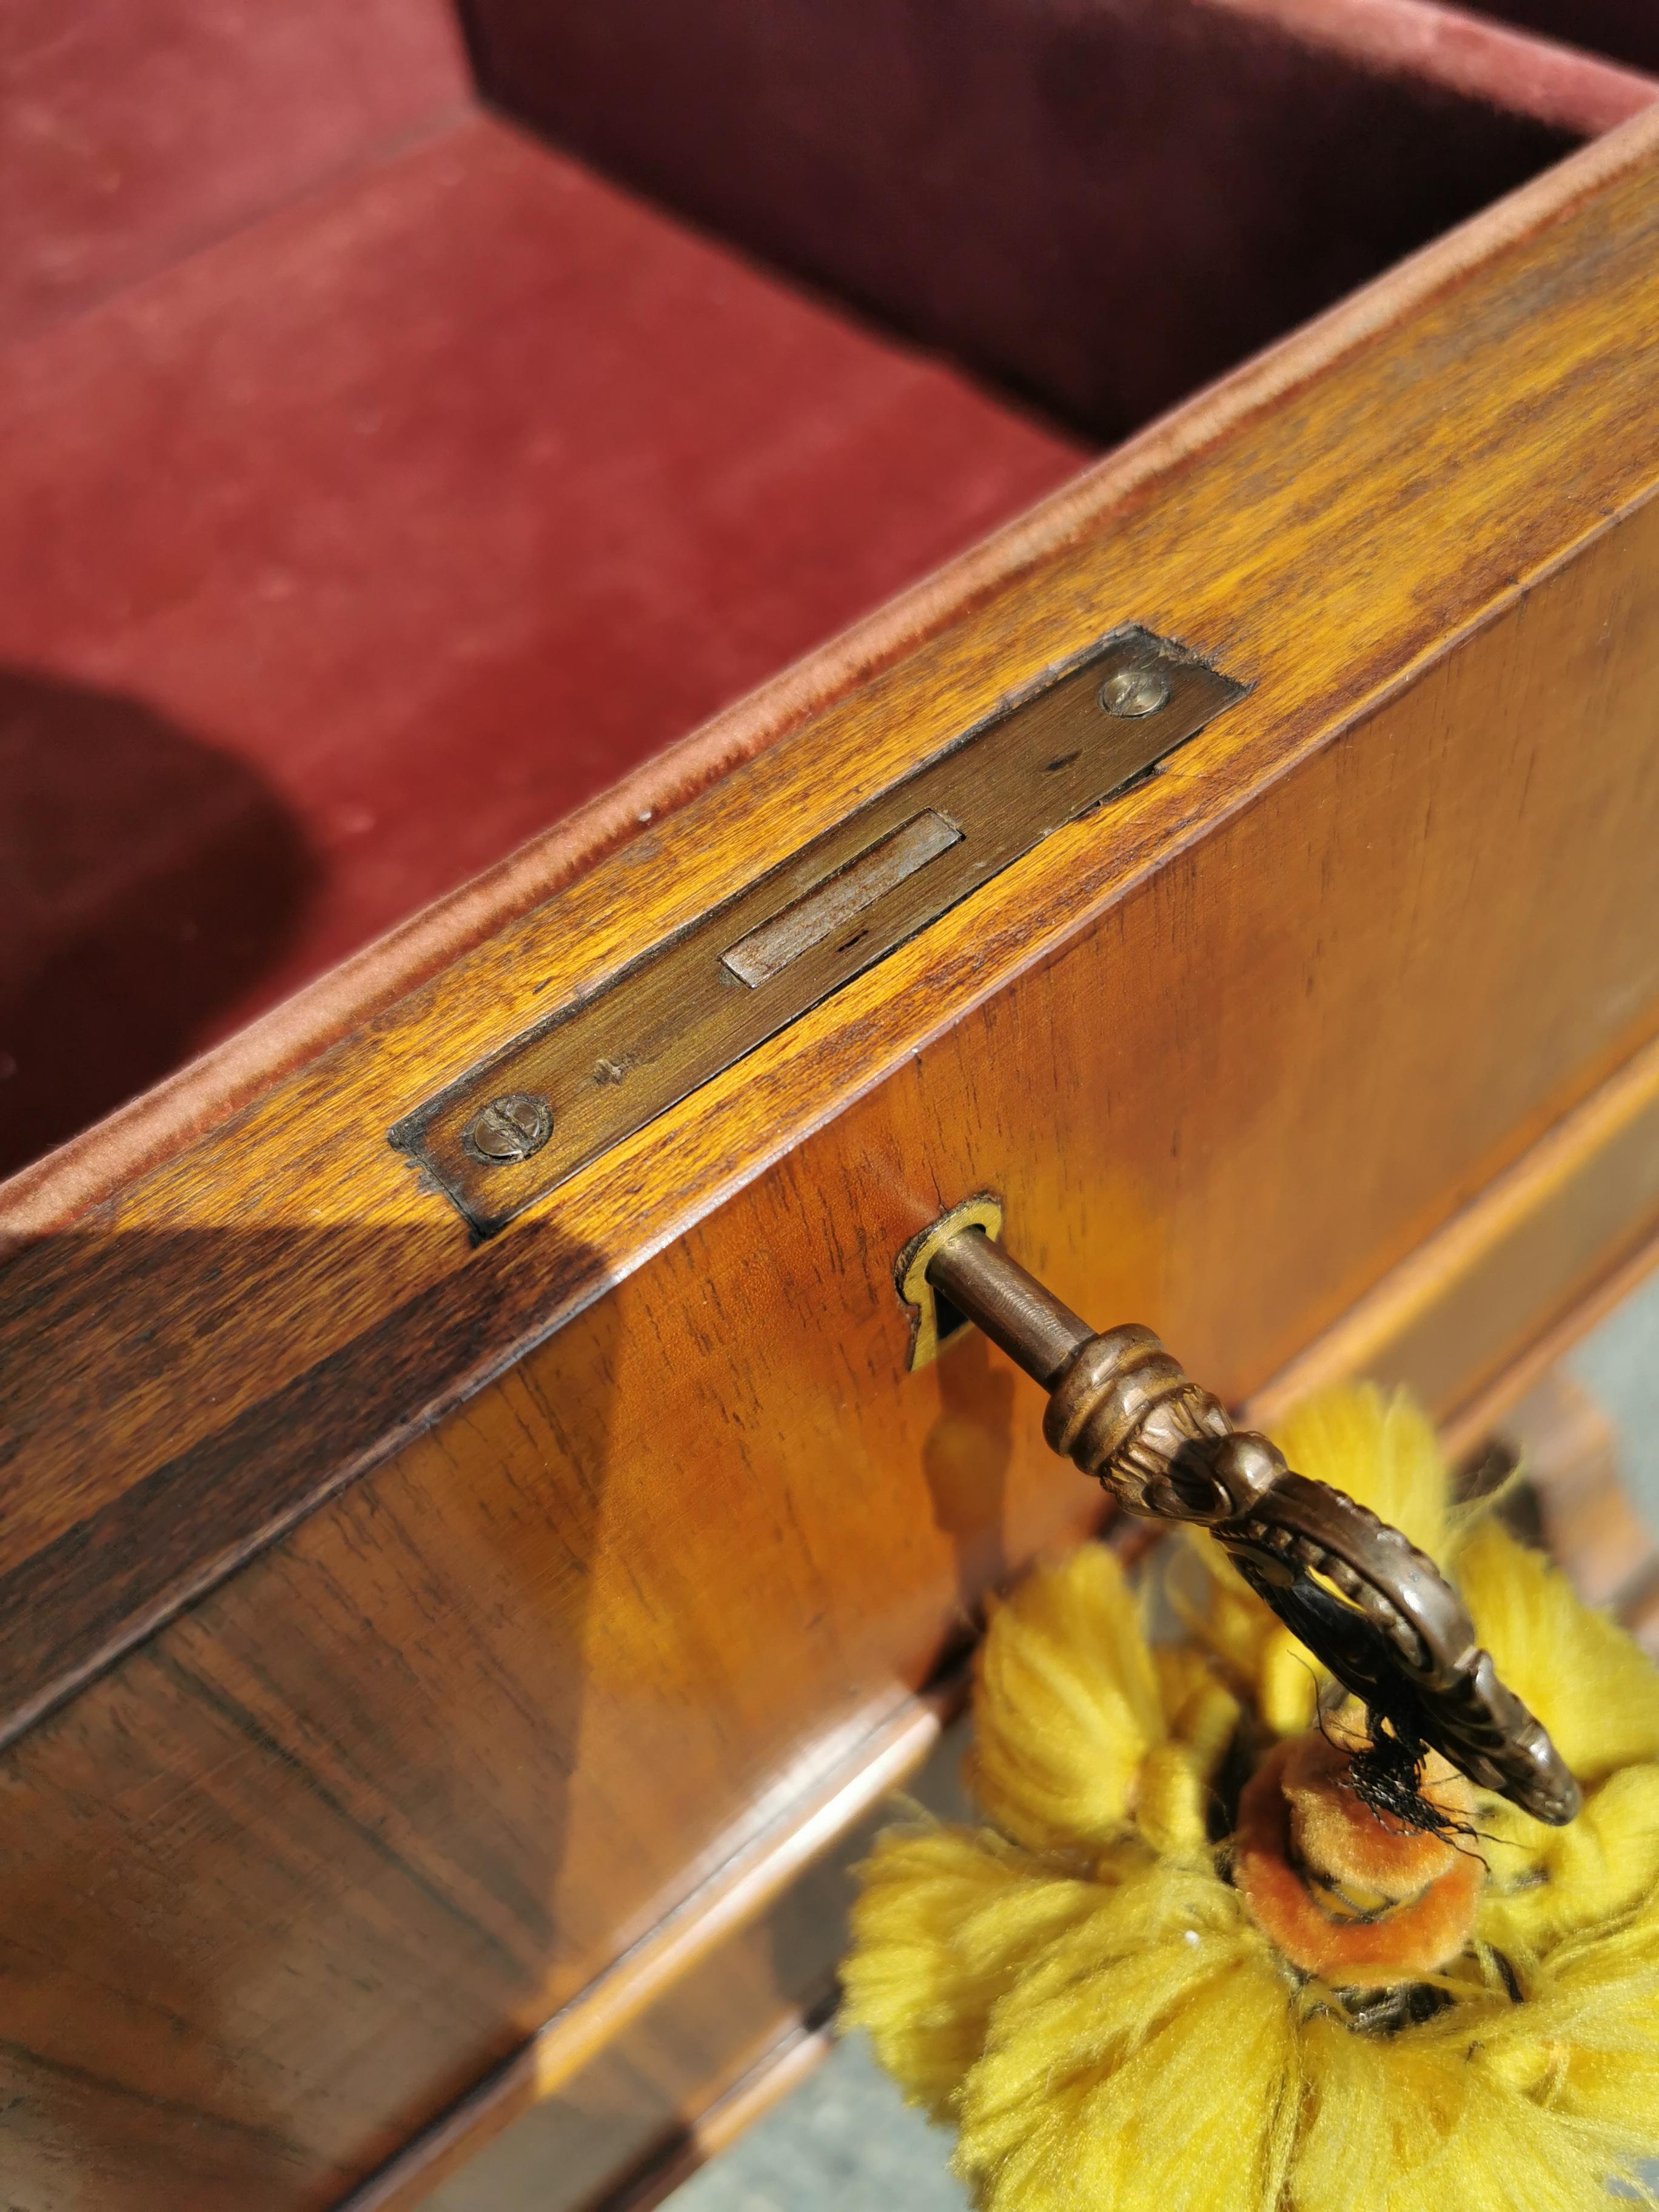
[516,1126]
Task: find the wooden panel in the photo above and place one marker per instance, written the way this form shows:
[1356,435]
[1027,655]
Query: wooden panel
[398,1789]
[213,1348]
[635,2106]
[327,1848]
[744,1888]
[635,2112]
[90,1170]
[1483,1307]
[783,2069]
[662,2099]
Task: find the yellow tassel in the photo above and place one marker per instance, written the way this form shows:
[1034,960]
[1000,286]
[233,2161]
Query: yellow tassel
[1287,1681]
[1070,1706]
[1105,2057]
[1591,1686]
[1381,1451]
[944,1924]
[1428,2121]
[1081,1990]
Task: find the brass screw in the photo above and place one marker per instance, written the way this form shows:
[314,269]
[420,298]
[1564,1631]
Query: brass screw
[1129,693]
[509,1128]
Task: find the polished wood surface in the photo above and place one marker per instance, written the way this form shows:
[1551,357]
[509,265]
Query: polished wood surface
[218,1345]
[751,1885]
[673,2084]
[1481,1309]
[660,2098]
[633,2112]
[1534,1413]
[326,1847]
[784,2067]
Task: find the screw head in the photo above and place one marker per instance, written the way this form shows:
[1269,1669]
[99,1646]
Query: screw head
[1129,693]
[509,1128]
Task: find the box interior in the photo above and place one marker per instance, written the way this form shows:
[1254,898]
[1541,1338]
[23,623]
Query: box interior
[1623,30]
[411,426]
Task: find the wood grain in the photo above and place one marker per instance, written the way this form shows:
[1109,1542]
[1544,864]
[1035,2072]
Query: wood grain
[327,1848]
[215,1348]
[687,2074]
[652,2088]
[1585,1518]
[746,1888]
[658,2098]
[1482,1308]
[794,2059]
[164,1123]
[636,2108]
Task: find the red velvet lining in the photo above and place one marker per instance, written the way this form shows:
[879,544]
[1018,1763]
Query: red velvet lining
[134,131]
[345,556]
[352,551]
[1464,54]
[1628,30]
[1106,205]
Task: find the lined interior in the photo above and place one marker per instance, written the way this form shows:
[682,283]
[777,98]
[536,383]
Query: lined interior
[1103,206]
[384,473]
[1624,30]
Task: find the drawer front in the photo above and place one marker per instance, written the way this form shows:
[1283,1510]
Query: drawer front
[679,2077]
[565,1563]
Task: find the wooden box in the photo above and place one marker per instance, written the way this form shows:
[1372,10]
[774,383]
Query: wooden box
[433,1622]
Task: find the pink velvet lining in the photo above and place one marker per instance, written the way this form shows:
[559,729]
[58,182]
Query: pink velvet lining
[342,557]
[132,132]
[451,484]
[1466,54]
[1105,204]
[61,1188]
[1628,30]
